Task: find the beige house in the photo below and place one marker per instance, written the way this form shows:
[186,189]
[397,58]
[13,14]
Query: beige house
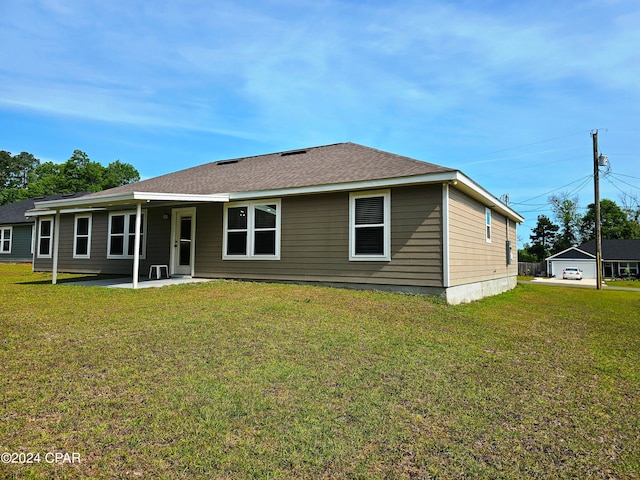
[344,215]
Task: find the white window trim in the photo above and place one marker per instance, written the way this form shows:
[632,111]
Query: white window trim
[386,256]
[2,240]
[75,236]
[125,246]
[50,236]
[251,229]
[488,220]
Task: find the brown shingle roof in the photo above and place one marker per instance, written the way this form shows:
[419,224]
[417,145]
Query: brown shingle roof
[324,165]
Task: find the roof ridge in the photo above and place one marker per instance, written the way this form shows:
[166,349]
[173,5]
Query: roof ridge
[274,153]
[397,155]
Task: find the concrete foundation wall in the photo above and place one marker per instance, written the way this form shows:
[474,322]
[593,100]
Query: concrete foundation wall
[475,291]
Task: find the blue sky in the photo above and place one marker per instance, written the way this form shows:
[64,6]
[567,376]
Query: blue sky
[507,92]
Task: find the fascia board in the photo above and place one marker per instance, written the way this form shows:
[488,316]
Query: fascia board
[556,255]
[40,213]
[471,187]
[454,178]
[128,197]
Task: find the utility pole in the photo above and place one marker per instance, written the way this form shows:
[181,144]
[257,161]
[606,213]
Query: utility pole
[596,189]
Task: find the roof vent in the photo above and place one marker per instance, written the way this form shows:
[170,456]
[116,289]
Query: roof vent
[226,162]
[293,152]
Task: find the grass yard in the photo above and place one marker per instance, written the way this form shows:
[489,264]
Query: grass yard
[243,380]
[624,283]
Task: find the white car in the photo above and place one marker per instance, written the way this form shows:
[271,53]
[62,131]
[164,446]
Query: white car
[572,273]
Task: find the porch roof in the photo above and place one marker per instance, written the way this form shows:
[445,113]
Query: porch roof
[66,205]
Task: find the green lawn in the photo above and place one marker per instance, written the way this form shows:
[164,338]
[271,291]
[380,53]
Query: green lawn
[624,283]
[247,380]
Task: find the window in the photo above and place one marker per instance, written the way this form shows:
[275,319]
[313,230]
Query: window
[122,234]
[628,267]
[369,226]
[5,239]
[488,222]
[82,237]
[252,230]
[45,237]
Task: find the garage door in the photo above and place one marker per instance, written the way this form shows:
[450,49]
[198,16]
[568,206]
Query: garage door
[588,267]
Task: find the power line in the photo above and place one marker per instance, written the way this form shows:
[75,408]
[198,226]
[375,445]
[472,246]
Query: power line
[582,179]
[531,144]
[626,176]
[579,189]
[622,181]
[614,185]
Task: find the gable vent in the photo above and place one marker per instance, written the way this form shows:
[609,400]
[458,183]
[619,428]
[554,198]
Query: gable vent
[293,152]
[227,162]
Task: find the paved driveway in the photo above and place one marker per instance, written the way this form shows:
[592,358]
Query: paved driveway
[585,282]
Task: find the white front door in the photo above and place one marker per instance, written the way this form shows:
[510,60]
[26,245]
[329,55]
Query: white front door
[183,230]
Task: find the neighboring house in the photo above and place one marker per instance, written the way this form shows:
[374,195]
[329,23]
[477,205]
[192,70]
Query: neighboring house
[344,215]
[620,258]
[16,230]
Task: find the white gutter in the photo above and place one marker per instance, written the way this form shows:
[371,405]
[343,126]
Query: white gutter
[446,264]
[455,178]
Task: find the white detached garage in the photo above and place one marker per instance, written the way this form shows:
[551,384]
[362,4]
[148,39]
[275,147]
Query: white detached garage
[572,257]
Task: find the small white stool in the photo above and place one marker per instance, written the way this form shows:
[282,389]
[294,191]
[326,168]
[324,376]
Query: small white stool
[158,269]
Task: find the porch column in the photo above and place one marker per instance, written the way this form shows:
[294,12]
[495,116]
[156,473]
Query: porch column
[56,243]
[136,248]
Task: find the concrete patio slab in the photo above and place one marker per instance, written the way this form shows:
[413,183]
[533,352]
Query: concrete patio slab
[127,282]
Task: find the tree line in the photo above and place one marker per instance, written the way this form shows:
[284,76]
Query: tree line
[24,176]
[573,229]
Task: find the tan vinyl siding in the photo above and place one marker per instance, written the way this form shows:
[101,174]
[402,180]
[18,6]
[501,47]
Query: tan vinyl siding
[472,258]
[315,242]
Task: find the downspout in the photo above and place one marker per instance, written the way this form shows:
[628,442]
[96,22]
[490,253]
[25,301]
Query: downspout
[445,235]
[56,243]
[136,247]
[509,249]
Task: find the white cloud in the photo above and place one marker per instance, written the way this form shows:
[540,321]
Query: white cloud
[278,66]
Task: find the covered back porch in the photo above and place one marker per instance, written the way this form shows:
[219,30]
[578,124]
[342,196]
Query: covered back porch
[136,234]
